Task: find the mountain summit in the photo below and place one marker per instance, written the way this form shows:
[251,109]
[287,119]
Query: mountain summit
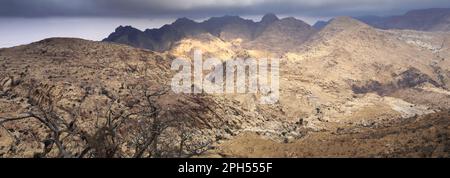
[226,28]
[269,18]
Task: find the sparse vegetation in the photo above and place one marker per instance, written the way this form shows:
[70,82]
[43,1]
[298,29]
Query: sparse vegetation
[346,90]
[139,125]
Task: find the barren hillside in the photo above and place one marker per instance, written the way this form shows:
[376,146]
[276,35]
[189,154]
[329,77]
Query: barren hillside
[77,98]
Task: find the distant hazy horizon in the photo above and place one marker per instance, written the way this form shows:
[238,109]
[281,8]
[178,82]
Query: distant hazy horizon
[19,31]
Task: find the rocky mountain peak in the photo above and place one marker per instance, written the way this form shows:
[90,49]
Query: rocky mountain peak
[269,18]
[183,21]
[344,20]
[344,24]
[126,29]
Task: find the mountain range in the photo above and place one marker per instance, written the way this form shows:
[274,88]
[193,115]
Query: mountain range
[226,28]
[270,31]
[347,89]
[434,19]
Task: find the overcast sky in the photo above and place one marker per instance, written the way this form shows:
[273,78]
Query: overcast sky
[24,21]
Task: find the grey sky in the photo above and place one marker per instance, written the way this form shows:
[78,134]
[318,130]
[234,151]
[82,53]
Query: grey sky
[151,8]
[16,31]
[25,21]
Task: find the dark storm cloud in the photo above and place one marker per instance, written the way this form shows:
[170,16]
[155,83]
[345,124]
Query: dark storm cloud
[145,8]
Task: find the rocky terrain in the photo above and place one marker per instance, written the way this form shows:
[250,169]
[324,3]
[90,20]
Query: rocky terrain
[79,88]
[425,136]
[347,90]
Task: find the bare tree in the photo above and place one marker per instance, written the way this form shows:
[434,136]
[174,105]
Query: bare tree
[43,110]
[139,122]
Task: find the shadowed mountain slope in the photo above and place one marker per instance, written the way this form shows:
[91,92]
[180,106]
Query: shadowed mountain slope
[268,32]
